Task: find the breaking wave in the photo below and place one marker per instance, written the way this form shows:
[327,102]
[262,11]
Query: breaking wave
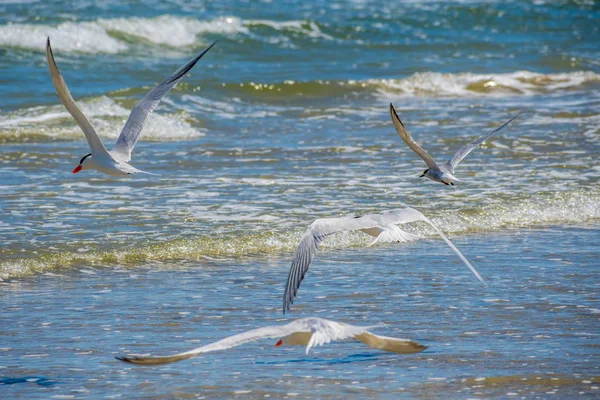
[425,84]
[107,116]
[532,210]
[117,35]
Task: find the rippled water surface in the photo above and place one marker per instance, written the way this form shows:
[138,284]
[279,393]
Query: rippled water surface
[286,120]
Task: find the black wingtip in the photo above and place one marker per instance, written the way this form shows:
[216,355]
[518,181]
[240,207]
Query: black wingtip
[393,111]
[48,47]
[187,67]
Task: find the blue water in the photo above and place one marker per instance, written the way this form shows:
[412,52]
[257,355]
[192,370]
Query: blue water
[285,121]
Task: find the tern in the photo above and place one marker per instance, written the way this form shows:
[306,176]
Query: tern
[381,226]
[445,173]
[116,161]
[309,332]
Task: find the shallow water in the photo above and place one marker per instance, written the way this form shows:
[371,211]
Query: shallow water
[285,121]
[532,332]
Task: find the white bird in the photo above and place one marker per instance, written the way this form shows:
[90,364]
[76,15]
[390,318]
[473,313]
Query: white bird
[309,332]
[381,226]
[445,173]
[116,161]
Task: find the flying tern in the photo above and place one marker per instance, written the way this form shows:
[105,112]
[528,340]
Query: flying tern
[444,173]
[309,332]
[381,226]
[116,161]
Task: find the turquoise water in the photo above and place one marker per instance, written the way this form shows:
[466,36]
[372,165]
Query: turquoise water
[285,121]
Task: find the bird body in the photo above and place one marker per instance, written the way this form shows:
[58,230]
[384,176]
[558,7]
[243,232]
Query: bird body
[116,161]
[445,172]
[309,332]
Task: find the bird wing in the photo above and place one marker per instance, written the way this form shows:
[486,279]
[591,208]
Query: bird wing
[466,149]
[307,249]
[410,215]
[393,345]
[64,95]
[133,127]
[267,332]
[414,146]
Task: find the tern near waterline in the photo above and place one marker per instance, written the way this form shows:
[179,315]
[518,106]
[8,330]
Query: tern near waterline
[444,173]
[115,162]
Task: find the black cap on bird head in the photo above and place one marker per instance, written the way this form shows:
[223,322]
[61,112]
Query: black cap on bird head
[424,173]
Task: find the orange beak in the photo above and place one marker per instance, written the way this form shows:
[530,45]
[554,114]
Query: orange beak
[279,343]
[77,169]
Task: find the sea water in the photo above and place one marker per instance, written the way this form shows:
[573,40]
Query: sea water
[284,121]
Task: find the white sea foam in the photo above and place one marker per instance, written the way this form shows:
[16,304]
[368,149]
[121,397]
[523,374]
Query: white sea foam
[84,37]
[107,117]
[173,31]
[103,35]
[468,84]
[307,28]
[107,35]
[531,210]
[535,210]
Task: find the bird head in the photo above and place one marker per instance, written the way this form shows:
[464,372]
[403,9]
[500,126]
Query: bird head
[81,163]
[424,173]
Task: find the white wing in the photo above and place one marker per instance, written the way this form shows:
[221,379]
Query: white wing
[393,345]
[414,146]
[267,332]
[466,149]
[307,248]
[133,127]
[64,95]
[323,331]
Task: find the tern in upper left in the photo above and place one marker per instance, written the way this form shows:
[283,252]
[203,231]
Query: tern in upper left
[116,161]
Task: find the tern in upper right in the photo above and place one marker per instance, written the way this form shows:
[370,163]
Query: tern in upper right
[444,173]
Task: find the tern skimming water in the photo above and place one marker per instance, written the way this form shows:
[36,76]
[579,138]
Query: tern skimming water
[309,332]
[444,173]
[381,226]
[116,161]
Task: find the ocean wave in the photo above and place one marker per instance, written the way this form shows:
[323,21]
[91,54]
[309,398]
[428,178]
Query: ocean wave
[530,210]
[107,117]
[517,83]
[116,35]
[423,84]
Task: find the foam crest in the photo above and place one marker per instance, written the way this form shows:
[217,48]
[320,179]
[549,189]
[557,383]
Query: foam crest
[107,117]
[535,209]
[467,84]
[305,28]
[106,35]
[68,37]
[172,31]
[425,84]
[116,35]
